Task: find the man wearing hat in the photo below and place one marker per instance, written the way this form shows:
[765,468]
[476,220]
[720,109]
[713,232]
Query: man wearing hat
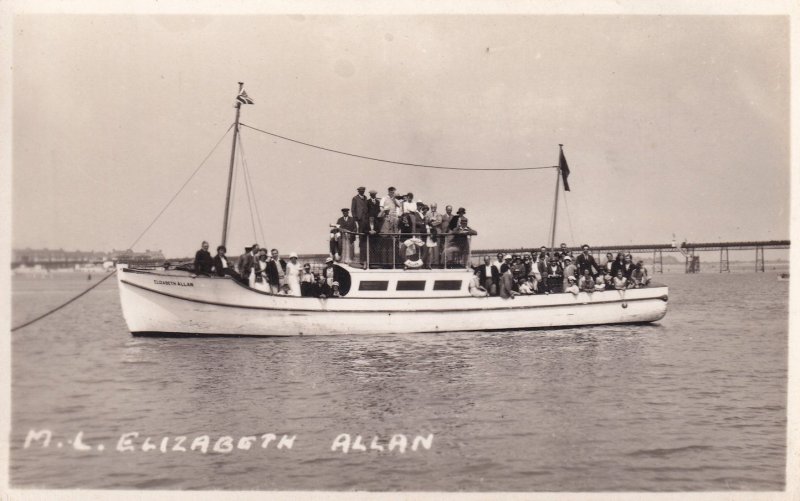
[391,209]
[570,271]
[371,230]
[328,278]
[358,210]
[348,226]
[246,262]
[455,221]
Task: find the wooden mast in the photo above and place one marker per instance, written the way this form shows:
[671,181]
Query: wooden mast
[555,204]
[230,170]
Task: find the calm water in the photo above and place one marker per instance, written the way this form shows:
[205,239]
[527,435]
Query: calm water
[696,402]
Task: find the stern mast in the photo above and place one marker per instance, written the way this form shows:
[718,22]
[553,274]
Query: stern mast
[555,203]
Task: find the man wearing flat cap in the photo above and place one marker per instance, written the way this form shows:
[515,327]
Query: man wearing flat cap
[358,209]
[348,226]
[373,227]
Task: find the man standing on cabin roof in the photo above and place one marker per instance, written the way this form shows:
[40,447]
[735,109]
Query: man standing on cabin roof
[374,209]
[391,209]
[444,228]
[348,226]
[360,212]
[454,222]
[434,221]
[203,262]
[246,262]
[370,232]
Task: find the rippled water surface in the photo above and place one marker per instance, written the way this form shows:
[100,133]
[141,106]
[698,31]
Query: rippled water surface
[695,402]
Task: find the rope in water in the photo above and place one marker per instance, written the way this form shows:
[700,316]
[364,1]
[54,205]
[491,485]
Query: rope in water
[63,304]
[445,167]
[71,300]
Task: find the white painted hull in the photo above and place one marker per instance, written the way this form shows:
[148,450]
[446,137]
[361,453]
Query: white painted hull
[154,303]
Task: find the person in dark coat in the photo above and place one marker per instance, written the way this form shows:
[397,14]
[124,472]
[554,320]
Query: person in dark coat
[455,221]
[489,276]
[617,264]
[203,261]
[273,275]
[221,266]
[246,262]
[358,209]
[555,276]
[585,261]
[628,266]
[348,226]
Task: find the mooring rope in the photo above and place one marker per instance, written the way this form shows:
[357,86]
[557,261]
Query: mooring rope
[71,300]
[426,166]
[64,304]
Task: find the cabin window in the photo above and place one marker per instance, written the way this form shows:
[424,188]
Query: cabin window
[447,285]
[411,285]
[373,285]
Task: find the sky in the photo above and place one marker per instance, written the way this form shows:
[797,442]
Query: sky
[670,124]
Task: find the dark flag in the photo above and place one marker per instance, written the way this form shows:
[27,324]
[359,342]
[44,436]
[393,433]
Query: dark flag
[244,98]
[564,168]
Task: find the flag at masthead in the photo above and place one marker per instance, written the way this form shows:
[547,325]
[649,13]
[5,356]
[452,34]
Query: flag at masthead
[563,167]
[243,97]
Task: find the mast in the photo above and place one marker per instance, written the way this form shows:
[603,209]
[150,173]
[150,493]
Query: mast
[555,204]
[230,170]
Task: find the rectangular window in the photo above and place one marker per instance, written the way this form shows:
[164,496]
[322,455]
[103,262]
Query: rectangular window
[447,285]
[411,285]
[373,285]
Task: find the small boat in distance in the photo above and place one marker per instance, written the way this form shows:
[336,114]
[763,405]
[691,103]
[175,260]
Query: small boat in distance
[783,277]
[381,296]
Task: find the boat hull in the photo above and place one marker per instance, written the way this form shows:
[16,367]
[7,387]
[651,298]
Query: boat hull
[158,304]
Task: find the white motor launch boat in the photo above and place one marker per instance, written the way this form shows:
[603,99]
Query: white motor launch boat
[178,303]
[375,296]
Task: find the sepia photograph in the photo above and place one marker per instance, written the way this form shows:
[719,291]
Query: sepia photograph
[410,251]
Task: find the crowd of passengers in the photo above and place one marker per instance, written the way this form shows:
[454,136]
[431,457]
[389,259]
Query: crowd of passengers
[398,230]
[425,239]
[541,272]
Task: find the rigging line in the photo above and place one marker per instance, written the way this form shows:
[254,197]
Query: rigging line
[69,301]
[255,198]
[181,189]
[64,304]
[444,167]
[569,219]
[234,182]
[247,189]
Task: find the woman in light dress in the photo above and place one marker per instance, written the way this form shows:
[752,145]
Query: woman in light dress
[293,270]
[258,277]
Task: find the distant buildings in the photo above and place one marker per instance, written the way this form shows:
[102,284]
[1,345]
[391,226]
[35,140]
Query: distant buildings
[59,258]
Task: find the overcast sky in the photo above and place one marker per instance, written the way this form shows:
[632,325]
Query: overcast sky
[671,124]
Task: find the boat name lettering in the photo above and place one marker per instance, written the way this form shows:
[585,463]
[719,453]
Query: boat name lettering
[173,282]
[135,441]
